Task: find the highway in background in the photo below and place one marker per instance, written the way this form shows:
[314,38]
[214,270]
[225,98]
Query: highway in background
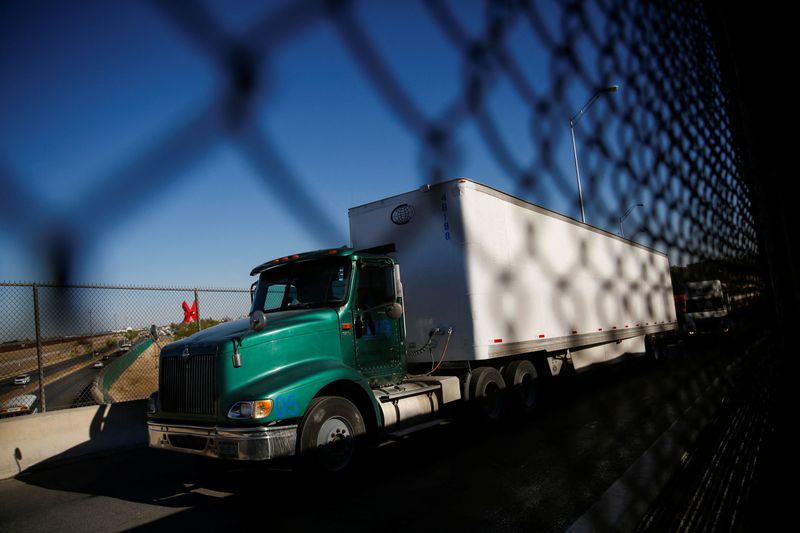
[67,383]
[75,388]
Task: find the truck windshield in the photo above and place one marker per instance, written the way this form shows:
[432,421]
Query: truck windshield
[303,285]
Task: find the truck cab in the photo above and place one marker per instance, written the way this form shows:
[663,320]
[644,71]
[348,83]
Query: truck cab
[707,308]
[325,331]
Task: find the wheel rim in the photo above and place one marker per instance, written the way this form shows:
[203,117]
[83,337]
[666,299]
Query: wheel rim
[335,443]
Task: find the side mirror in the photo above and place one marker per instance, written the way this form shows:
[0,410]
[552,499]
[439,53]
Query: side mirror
[154,332]
[394,311]
[258,320]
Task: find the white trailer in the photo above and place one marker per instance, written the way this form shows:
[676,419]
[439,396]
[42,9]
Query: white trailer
[511,277]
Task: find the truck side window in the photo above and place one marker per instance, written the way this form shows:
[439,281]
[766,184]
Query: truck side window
[274,296]
[375,286]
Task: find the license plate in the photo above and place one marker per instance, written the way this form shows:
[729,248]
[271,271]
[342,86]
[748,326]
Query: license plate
[228,448]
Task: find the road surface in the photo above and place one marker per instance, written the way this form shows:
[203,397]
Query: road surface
[539,474]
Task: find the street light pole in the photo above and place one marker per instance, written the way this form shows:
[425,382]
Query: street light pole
[574,120]
[623,217]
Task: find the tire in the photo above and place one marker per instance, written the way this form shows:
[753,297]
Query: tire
[654,347]
[523,385]
[487,393]
[329,434]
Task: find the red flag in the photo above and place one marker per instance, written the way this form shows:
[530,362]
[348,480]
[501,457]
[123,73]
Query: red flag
[189,313]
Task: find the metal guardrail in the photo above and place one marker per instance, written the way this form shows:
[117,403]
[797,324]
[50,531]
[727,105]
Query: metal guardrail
[121,365]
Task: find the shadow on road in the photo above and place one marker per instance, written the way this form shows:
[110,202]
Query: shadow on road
[536,474]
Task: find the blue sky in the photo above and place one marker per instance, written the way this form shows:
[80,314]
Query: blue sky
[91,86]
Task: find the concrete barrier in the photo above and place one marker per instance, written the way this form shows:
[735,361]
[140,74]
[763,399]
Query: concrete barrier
[55,436]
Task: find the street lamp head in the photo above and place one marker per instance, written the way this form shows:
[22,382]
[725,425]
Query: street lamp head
[612,88]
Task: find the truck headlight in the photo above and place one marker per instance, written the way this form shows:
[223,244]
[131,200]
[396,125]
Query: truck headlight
[250,410]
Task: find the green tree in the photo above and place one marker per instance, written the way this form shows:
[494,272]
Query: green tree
[180,331]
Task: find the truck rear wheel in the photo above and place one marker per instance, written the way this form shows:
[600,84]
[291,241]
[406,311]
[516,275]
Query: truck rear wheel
[654,347]
[523,386]
[487,393]
[329,433]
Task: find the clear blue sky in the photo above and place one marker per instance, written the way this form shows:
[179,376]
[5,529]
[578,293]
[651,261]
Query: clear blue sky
[90,86]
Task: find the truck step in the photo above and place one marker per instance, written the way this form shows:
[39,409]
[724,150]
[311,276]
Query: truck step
[417,427]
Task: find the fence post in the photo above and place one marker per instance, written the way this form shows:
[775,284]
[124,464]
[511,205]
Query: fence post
[197,310]
[42,403]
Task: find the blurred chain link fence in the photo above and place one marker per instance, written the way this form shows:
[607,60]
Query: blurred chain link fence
[670,139]
[78,345]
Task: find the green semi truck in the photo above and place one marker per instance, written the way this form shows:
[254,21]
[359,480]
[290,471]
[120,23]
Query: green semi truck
[452,293]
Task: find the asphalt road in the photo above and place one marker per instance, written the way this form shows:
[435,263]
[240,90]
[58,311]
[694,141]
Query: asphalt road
[70,390]
[50,369]
[73,389]
[538,474]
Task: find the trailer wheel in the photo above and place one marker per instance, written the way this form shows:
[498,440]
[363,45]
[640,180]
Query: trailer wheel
[521,380]
[329,433]
[654,347]
[487,392]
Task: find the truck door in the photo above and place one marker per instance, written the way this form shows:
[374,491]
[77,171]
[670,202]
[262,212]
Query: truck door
[378,336]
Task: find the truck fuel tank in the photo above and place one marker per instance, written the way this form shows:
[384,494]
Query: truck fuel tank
[416,398]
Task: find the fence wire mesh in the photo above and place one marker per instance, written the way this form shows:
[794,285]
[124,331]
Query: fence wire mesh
[78,345]
[671,140]
[668,140]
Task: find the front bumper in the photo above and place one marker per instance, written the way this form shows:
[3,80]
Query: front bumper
[244,444]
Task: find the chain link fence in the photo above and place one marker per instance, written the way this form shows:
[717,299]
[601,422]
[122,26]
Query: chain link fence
[669,142]
[77,345]
[670,139]
[664,160]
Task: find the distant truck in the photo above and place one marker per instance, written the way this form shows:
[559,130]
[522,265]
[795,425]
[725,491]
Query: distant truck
[707,308]
[453,293]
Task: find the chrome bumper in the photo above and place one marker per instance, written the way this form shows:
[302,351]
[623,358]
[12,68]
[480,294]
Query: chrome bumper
[244,444]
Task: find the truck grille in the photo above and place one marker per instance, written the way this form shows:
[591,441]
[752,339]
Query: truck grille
[188,386]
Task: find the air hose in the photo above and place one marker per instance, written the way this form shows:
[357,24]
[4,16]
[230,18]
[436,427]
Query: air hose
[441,357]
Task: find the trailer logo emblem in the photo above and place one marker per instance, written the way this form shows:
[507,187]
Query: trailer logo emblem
[402,214]
[185,354]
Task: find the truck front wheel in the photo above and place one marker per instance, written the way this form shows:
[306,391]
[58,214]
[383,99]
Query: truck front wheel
[329,433]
